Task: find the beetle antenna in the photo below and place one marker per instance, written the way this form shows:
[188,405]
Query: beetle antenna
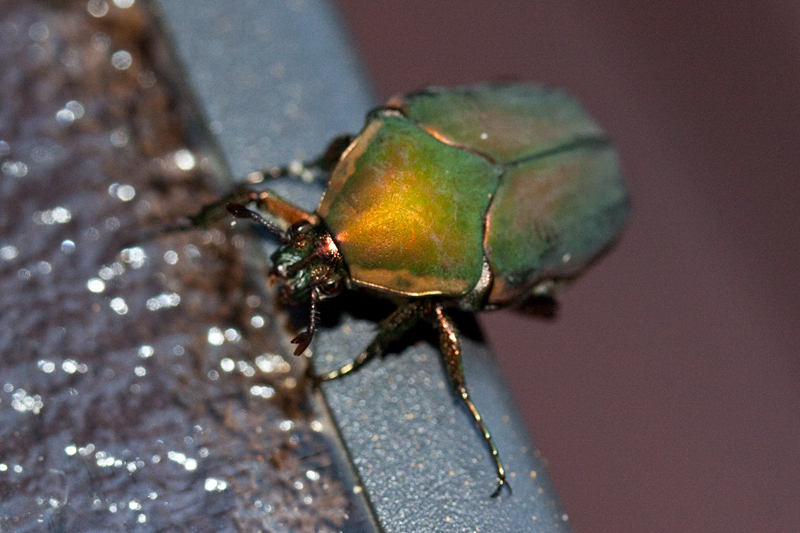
[240,211]
[304,339]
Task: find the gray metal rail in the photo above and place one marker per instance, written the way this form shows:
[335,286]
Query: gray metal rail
[276,81]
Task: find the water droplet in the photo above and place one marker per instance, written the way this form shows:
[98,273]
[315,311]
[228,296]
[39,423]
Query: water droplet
[76,108]
[97,8]
[216,337]
[121,59]
[118,304]
[163,301]
[8,252]
[146,351]
[15,169]
[48,367]
[65,116]
[119,137]
[126,193]
[184,159]
[39,32]
[43,267]
[57,215]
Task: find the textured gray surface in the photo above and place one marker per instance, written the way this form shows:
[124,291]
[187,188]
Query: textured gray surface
[423,465]
[276,79]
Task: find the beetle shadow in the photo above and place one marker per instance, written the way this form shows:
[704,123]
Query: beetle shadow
[543,307]
[331,313]
[364,306]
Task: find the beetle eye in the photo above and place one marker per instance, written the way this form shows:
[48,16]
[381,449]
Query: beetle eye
[333,287]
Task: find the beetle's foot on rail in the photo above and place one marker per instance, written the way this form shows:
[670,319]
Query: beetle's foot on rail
[302,341]
[501,482]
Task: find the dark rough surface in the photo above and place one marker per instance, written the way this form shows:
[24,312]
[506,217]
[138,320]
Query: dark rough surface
[159,402]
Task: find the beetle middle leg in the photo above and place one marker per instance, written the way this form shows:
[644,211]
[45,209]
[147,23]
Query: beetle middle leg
[393,327]
[390,330]
[450,346]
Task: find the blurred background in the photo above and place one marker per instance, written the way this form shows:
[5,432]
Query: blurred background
[665,395]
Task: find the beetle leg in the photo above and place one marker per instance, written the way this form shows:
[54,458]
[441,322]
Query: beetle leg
[450,346]
[390,329]
[324,162]
[304,339]
[284,212]
[333,152]
[240,211]
[212,213]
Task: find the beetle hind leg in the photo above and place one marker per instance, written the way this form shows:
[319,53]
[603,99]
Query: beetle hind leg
[324,163]
[390,330]
[450,346]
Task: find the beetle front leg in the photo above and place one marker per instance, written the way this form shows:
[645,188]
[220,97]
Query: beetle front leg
[390,330]
[450,346]
[302,340]
[284,212]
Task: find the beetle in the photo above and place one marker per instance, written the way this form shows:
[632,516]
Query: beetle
[473,197]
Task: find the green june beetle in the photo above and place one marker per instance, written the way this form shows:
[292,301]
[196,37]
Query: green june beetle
[474,197]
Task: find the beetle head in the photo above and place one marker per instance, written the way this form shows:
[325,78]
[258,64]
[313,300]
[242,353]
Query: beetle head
[309,260]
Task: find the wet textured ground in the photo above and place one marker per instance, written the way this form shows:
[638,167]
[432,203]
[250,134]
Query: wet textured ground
[141,390]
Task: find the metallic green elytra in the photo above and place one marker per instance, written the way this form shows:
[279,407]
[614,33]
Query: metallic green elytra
[473,197]
[441,183]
